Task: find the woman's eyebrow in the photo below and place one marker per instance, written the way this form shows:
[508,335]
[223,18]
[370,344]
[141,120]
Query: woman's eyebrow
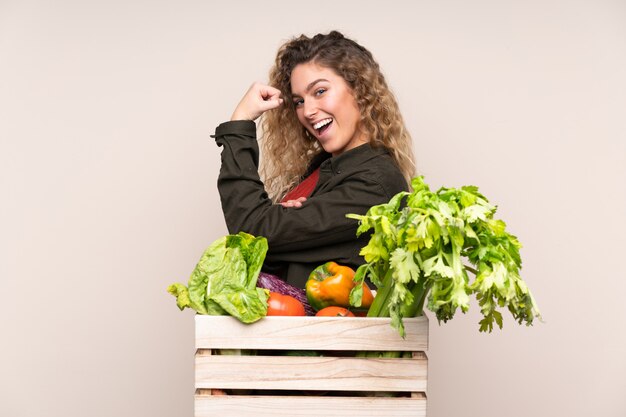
[311,85]
[308,87]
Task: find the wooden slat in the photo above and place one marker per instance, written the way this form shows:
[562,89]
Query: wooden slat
[311,373]
[310,333]
[295,406]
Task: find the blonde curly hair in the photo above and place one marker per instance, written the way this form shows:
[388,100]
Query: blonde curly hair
[287,147]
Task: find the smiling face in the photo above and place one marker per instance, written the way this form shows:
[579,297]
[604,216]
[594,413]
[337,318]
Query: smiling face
[326,107]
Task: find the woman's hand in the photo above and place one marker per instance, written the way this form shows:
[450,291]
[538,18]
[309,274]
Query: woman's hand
[258,99]
[297,203]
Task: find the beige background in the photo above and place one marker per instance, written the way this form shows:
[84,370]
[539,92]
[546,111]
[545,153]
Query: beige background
[108,187]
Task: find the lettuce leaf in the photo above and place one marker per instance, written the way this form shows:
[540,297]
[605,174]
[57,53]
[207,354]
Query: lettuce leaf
[224,280]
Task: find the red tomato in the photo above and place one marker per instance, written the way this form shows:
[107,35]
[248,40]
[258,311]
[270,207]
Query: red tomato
[284,305]
[334,311]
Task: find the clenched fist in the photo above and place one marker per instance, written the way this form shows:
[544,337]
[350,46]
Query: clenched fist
[258,99]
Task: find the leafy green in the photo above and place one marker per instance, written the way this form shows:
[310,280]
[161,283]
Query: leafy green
[224,280]
[417,250]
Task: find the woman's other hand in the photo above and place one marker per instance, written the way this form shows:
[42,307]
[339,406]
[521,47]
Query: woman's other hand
[258,99]
[297,203]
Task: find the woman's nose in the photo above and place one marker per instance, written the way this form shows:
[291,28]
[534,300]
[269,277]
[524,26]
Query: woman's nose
[310,109]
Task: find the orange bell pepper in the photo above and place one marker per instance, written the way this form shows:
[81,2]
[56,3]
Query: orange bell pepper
[330,285]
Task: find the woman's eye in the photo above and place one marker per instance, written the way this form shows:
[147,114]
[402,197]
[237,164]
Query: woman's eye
[298,102]
[320,91]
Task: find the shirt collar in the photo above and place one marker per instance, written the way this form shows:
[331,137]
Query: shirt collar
[353,157]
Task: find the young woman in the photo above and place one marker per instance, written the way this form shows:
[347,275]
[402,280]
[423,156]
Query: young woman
[333,143]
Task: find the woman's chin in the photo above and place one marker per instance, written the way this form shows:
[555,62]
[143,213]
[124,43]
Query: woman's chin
[329,148]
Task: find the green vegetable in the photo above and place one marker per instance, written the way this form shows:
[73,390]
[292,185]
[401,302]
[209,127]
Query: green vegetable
[417,249]
[224,280]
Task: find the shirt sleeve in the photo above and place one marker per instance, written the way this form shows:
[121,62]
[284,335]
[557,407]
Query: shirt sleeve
[247,207]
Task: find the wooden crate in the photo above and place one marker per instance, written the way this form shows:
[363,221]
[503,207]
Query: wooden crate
[266,384]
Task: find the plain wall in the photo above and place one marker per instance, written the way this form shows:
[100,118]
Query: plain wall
[108,187]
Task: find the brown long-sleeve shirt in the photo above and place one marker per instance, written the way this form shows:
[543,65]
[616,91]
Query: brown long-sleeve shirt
[301,239]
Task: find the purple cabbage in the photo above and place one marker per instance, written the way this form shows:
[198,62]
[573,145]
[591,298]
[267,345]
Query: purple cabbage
[275,284]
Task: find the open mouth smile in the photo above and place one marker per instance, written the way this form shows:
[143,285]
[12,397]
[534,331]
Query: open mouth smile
[322,125]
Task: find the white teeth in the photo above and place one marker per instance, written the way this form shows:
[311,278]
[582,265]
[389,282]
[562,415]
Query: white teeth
[322,123]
